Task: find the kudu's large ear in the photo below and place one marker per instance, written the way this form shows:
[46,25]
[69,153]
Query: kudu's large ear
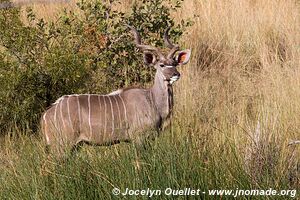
[183,57]
[149,58]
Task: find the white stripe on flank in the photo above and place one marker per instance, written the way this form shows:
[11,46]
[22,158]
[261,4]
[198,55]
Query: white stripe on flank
[99,109]
[44,116]
[55,116]
[137,118]
[79,113]
[118,110]
[169,66]
[125,111]
[47,137]
[105,124]
[112,115]
[89,105]
[58,100]
[70,121]
[61,114]
[153,105]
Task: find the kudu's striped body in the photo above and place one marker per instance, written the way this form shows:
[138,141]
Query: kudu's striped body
[124,115]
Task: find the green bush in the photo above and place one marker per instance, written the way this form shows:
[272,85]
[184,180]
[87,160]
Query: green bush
[87,53]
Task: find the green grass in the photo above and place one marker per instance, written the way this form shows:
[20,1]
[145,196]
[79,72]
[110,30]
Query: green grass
[177,159]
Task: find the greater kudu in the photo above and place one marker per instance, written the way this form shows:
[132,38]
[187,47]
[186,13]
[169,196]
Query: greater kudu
[124,115]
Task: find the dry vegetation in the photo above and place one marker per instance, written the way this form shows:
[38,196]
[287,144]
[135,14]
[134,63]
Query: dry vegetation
[238,102]
[243,84]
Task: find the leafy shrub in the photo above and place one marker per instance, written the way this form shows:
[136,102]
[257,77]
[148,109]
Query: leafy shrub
[90,52]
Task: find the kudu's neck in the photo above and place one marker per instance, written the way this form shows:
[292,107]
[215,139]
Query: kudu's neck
[162,93]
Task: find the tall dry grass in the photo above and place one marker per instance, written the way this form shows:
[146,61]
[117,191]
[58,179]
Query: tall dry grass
[243,82]
[237,103]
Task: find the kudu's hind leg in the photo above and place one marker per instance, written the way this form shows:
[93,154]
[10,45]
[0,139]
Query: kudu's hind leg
[82,139]
[77,146]
[144,140]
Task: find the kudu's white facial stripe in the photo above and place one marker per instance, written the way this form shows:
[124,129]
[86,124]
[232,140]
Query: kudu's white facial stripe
[172,79]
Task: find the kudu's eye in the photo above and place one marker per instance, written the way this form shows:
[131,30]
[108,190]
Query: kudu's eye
[161,65]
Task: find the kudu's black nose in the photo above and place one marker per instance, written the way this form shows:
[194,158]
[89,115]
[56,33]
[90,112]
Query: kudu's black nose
[176,74]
